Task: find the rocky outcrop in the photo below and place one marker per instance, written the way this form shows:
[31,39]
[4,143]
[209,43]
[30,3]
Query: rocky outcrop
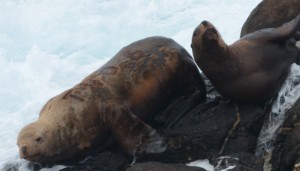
[219,130]
[223,132]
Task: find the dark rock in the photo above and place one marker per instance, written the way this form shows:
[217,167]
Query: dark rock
[297,165]
[244,139]
[157,166]
[204,132]
[113,160]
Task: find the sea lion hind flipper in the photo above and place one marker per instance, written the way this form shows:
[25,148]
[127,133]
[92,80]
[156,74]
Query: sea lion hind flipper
[135,136]
[284,32]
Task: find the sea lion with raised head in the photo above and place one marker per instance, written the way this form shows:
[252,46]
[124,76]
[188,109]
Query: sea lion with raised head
[253,68]
[139,81]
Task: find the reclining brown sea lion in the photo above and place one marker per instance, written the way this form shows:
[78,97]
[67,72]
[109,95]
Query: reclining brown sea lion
[138,82]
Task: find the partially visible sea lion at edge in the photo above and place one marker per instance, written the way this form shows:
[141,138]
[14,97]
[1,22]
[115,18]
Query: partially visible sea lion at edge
[271,14]
[253,68]
[141,80]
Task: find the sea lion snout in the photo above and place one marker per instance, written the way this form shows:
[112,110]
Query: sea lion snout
[211,33]
[205,23]
[23,151]
[202,28]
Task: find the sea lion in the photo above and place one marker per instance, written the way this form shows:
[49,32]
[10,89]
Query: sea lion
[139,81]
[253,68]
[271,14]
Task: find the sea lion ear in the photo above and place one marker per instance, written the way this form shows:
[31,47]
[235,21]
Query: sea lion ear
[211,34]
[132,134]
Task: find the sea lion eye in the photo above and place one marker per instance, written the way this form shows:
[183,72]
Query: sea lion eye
[39,139]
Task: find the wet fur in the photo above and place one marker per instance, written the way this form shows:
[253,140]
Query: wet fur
[253,68]
[138,82]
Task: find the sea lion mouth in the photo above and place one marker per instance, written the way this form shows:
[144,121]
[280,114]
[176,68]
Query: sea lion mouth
[211,31]
[33,157]
[211,34]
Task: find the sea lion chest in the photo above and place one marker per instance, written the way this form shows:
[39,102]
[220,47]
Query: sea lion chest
[255,68]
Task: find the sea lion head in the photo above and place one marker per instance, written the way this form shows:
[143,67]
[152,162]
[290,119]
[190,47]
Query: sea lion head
[207,43]
[34,142]
[204,32]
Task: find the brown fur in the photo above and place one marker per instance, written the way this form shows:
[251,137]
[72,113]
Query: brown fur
[253,68]
[271,14]
[138,82]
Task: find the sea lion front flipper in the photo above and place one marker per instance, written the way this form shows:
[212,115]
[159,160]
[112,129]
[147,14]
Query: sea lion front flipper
[132,134]
[284,32]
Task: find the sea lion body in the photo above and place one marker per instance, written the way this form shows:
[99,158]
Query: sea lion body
[271,14]
[253,68]
[139,81]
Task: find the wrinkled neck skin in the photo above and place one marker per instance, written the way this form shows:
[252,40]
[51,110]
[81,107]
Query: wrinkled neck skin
[58,150]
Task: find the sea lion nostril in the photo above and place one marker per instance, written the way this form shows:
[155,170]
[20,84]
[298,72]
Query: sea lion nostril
[204,23]
[24,149]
